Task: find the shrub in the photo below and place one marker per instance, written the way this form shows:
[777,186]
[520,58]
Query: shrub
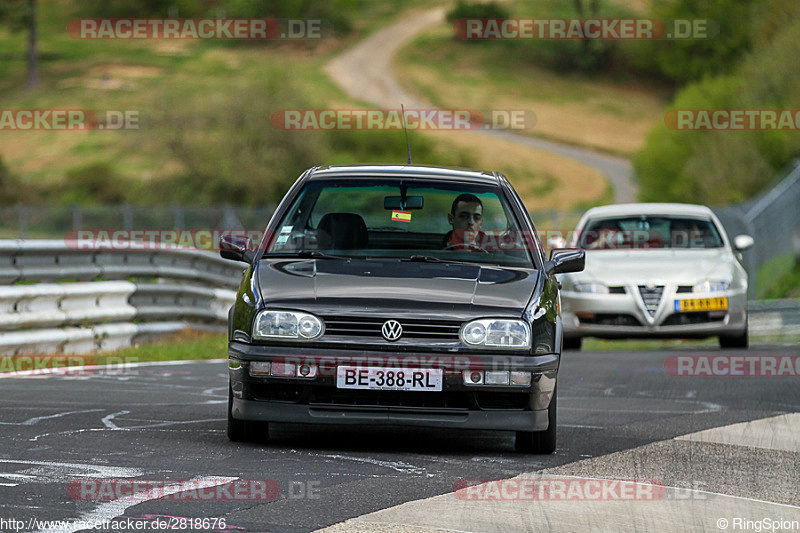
[727,166]
[476,10]
[92,183]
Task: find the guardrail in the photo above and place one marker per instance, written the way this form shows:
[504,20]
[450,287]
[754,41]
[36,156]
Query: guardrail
[57,260]
[106,298]
[775,317]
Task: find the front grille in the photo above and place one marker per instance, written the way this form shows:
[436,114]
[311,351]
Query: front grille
[684,289]
[700,317]
[616,290]
[651,298]
[609,319]
[412,328]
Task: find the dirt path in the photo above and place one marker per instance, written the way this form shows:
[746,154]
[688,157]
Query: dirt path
[365,73]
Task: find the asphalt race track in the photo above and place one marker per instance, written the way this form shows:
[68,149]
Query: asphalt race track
[619,416]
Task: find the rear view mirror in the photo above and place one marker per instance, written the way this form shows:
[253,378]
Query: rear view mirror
[565,260]
[236,247]
[395,202]
[743,242]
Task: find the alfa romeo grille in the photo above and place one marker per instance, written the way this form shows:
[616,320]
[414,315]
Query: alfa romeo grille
[651,297]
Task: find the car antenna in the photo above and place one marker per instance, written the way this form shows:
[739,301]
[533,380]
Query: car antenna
[408,146]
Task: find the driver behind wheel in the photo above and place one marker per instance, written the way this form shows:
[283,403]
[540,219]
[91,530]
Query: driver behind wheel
[466,217]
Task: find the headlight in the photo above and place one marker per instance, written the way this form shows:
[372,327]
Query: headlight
[288,325]
[496,333]
[594,287]
[711,286]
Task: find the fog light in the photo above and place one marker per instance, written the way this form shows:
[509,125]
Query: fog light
[307,370]
[472,377]
[286,370]
[496,377]
[259,368]
[520,378]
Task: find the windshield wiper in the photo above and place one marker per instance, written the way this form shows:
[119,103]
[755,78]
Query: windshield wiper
[426,259]
[431,259]
[313,254]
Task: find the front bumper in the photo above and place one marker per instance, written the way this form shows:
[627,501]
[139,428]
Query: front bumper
[625,316]
[317,400]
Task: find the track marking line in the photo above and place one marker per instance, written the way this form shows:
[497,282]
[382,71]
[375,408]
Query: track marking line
[36,420]
[110,510]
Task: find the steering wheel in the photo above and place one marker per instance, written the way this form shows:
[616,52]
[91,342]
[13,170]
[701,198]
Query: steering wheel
[466,246]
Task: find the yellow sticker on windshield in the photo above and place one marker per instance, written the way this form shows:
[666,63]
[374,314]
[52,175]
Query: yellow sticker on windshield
[401,216]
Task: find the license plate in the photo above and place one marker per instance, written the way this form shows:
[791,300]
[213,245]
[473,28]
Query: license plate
[701,304]
[388,378]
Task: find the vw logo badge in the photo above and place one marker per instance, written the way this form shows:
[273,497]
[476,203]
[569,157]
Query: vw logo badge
[391,330]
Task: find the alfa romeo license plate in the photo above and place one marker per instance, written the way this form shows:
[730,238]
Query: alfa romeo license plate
[388,378]
[719,303]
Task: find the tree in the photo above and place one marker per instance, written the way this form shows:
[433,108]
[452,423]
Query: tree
[594,52]
[20,15]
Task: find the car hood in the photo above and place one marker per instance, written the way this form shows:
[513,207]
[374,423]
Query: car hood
[331,287]
[619,267]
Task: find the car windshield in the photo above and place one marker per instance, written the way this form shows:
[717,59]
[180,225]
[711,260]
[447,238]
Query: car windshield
[646,232]
[416,220]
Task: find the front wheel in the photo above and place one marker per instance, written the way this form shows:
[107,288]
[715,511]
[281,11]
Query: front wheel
[571,343]
[734,341]
[540,442]
[244,430]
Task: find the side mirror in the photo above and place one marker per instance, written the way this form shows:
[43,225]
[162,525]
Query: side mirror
[236,247]
[743,242]
[565,260]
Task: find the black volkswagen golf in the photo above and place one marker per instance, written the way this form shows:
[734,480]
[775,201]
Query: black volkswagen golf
[404,295]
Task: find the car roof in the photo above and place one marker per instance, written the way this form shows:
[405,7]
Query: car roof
[653,208]
[409,171]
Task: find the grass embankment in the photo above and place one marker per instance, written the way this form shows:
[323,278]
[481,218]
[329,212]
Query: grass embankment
[204,134]
[607,112]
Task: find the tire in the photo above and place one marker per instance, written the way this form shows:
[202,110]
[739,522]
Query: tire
[540,442]
[734,341]
[571,343]
[244,430]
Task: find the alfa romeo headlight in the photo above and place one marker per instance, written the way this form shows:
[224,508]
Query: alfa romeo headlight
[711,286]
[287,325]
[597,288]
[496,333]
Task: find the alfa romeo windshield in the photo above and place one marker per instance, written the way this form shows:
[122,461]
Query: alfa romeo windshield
[410,219]
[649,232]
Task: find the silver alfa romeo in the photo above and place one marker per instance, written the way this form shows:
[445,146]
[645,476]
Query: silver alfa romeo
[656,270]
